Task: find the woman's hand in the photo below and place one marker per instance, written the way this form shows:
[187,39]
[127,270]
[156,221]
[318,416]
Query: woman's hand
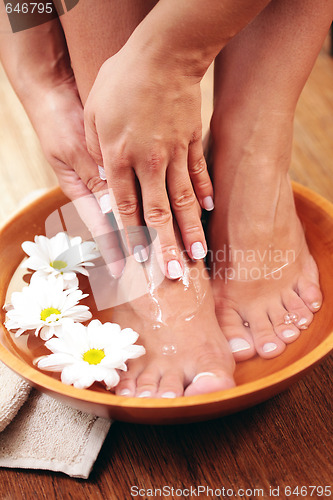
[143,124]
[58,121]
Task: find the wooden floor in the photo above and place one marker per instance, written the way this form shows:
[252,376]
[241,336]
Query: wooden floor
[286,441]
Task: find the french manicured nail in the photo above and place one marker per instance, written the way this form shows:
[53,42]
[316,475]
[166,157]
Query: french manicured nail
[105,203]
[269,347]
[125,392]
[174,269]
[169,395]
[198,251]
[208,203]
[288,333]
[316,305]
[302,324]
[237,345]
[140,253]
[145,394]
[102,173]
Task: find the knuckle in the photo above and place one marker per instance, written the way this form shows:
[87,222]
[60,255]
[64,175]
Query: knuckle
[199,167]
[95,183]
[127,208]
[155,161]
[191,230]
[183,200]
[157,216]
[168,249]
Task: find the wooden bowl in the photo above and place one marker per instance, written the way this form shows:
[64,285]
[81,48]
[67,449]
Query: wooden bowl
[257,379]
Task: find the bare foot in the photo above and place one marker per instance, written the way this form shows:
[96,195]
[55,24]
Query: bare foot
[186,354]
[265,282]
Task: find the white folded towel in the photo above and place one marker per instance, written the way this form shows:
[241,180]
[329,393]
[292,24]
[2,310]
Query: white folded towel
[39,432]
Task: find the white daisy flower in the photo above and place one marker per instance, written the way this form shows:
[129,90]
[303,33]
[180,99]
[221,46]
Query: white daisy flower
[44,306]
[60,256]
[93,353]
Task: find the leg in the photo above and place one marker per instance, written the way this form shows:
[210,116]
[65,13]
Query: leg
[259,77]
[176,321]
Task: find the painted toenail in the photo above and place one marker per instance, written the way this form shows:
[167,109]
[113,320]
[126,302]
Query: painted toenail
[203,374]
[302,322]
[316,305]
[140,253]
[238,345]
[175,269]
[269,347]
[169,395]
[145,394]
[288,333]
[125,392]
[198,251]
[208,203]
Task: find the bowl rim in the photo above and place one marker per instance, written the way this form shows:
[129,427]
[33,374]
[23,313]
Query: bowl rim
[48,384]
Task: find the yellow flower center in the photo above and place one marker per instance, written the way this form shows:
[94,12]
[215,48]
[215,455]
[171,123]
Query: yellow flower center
[94,356]
[48,312]
[58,264]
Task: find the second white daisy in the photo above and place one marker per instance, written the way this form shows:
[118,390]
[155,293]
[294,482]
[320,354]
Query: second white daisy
[44,306]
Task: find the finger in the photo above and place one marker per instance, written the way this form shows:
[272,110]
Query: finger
[158,216]
[85,178]
[199,175]
[126,203]
[185,208]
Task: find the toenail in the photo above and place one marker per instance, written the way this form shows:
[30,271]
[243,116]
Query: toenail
[302,322]
[238,345]
[175,269]
[269,347]
[203,374]
[198,251]
[288,333]
[316,305]
[208,203]
[145,394]
[140,253]
[125,392]
[169,395]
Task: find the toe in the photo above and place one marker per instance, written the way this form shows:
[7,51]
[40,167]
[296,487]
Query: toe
[237,334]
[294,304]
[171,385]
[310,293]
[287,333]
[127,385]
[268,345]
[147,382]
[213,373]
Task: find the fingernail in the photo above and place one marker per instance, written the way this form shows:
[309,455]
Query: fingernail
[238,345]
[288,333]
[198,251]
[125,392]
[169,395]
[145,394]
[208,203]
[102,173]
[140,253]
[316,305]
[269,347]
[203,374]
[174,269]
[105,203]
